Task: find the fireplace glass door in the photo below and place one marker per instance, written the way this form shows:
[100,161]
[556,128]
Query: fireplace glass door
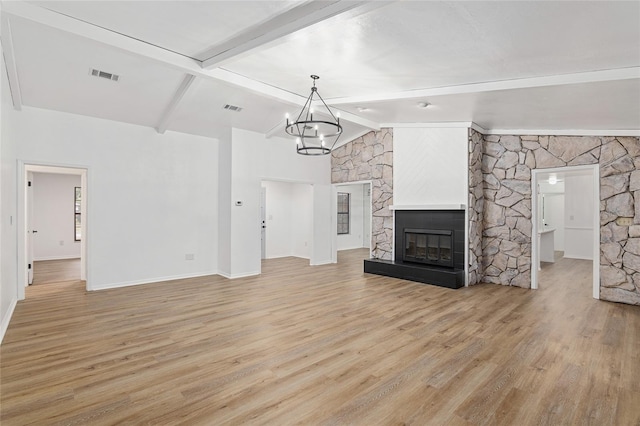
[434,247]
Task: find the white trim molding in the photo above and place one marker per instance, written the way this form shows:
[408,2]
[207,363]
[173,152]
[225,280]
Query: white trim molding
[429,207]
[7,318]
[234,276]
[440,125]
[562,132]
[151,281]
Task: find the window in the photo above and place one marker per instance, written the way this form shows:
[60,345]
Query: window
[343,213]
[77,213]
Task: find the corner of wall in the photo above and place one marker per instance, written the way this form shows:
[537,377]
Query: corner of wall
[6,319]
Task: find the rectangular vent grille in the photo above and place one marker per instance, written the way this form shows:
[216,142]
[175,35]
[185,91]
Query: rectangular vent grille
[233,108]
[104,74]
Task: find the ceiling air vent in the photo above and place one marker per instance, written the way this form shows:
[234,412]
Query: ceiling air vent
[103,74]
[232,108]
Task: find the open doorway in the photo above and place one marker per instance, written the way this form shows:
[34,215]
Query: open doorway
[53,231]
[566,228]
[286,219]
[353,221]
[55,207]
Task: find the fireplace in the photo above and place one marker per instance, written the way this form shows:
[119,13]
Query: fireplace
[428,246]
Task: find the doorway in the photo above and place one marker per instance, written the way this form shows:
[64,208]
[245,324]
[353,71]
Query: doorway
[566,225]
[52,209]
[286,219]
[353,220]
[54,226]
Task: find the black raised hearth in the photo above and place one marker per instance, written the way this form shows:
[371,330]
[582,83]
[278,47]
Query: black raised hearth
[428,247]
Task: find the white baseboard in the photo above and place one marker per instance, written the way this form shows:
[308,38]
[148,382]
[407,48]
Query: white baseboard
[234,276]
[151,280]
[70,256]
[7,318]
[322,262]
[576,257]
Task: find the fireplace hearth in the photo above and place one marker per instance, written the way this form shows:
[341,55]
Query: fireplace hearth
[428,246]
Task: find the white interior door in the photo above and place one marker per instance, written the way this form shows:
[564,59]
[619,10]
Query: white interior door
[30,231]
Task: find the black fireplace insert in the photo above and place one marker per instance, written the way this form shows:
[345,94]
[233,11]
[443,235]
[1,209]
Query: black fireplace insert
[428,246]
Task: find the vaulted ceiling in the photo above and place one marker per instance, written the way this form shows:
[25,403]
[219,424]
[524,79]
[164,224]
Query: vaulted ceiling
[520,66]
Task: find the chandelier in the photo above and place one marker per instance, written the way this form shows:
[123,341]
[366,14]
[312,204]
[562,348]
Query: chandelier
[315,136]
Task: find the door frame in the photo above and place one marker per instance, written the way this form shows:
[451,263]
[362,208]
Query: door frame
[535,255]
[24,168]
[263,222]
[334,215]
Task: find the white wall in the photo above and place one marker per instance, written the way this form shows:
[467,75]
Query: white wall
[554,218]
[553,210]
[579,201]
[430,166]
[224,204]
[8,249]
[151,198]
[255,158]
[279,213]
[289,209]
[302,221]
[354,239]
[53,216]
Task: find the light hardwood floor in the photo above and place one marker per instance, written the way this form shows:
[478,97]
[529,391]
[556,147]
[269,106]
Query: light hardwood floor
[51,271]
[322,345]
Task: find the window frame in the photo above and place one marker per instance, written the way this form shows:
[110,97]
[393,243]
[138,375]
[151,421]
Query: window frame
[344,224]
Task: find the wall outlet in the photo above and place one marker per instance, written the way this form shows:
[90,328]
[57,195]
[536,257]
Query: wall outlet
[189,256]
[305,243]
[61,242]
[571,217]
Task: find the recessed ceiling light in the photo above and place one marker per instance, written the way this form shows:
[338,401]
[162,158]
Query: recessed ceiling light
[423,104]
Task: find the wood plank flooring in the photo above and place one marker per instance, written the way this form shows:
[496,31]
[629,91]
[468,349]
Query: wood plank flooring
[323,345]
[51,271]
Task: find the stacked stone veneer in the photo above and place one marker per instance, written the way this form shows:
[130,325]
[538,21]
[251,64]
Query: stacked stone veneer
[370,157]
[499,208]
[475,207]
[506,166]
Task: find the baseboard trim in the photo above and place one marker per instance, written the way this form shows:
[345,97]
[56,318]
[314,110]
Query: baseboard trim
[577,257]
[234,276]
[151,280]
[7,318]
[71,256]
[322,262]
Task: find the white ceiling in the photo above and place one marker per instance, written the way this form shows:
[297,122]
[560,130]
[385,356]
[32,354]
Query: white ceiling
[557,66]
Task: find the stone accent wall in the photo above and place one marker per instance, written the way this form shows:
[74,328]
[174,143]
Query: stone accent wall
[475,207]
[506,238]
[370,157]
[506,165]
